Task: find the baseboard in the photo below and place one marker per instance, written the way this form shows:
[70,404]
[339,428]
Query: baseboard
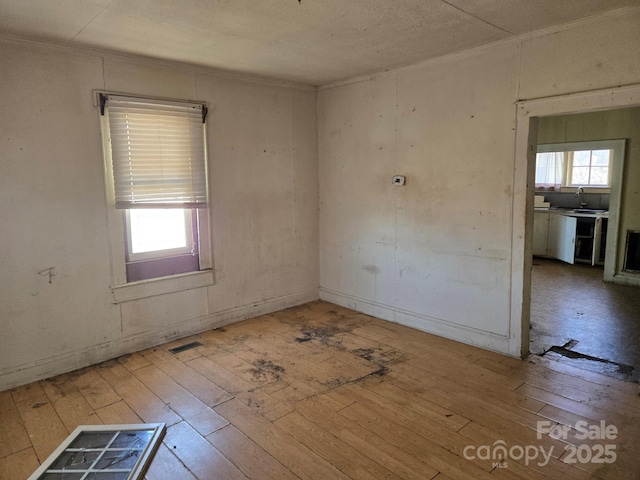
[442,328]
[69,361]
[624,278]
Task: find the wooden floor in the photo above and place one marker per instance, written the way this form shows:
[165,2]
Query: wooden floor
[321,392]
[572,303]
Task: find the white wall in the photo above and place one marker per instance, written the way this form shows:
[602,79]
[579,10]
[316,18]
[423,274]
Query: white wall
[264,215]
[438,254]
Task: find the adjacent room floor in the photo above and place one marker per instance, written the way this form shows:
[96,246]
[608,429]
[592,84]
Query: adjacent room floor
[573,310]
[319,391]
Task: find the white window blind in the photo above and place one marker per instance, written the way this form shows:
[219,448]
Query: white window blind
[158,153]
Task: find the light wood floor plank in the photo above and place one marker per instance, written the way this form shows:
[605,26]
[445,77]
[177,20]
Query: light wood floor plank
[199,415]
[393,457]
[427,410]
[13,435]
[512,422]
[118,413]
[137,396]
[43,425]
[556,399]
[207,392]
[71,406]
[275,441]
[478,435]
[219,375]
[19,465]
[198,455]
[166,466]
[340,454]
[133,362]
[414,444]
[245,454]
[96,391]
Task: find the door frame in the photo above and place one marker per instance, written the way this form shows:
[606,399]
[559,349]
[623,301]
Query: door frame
[526,141]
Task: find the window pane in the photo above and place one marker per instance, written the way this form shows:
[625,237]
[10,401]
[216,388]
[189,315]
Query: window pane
[599,176]
[600,158]
[549,168]
[132,439]
[542,169]
[92,440]
[581,158]
[75,460]
[157,229]
[580,176]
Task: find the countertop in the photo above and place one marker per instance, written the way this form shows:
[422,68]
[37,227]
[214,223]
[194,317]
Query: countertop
[572,212]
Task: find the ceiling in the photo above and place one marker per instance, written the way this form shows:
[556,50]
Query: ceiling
[313,42]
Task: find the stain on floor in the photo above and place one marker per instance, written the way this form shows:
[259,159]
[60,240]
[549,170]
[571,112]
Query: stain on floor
[266,369]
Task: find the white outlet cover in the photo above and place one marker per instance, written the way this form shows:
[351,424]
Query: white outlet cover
[398,180]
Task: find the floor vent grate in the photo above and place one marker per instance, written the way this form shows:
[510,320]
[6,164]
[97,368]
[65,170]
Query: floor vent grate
[186,346]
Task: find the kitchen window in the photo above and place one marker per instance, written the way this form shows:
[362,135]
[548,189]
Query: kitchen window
[156,179]
[589,168]
[566,166]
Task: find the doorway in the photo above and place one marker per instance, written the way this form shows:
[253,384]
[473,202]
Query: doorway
[530,114]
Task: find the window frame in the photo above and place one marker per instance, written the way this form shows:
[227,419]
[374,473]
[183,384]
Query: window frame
[568,174]
[122,290]
[136,472]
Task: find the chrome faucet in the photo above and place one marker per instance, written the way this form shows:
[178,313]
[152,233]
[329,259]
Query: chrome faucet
[580,195]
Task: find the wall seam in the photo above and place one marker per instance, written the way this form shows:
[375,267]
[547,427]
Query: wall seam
[396,193]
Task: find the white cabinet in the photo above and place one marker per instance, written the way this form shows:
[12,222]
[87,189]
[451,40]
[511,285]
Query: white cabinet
[570,238]
[562,237]
[541,234]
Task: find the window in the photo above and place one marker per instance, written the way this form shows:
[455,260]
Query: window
[589,168]
[580,164]
[103,451]
[153,233]
[155,164]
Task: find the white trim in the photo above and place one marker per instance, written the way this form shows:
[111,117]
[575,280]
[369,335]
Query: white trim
[626,278]
[91,355]
[522,220]
[204,240]
[613,223]
[589,189]
[436,326]
[161,286]
[115,218]
[263,307]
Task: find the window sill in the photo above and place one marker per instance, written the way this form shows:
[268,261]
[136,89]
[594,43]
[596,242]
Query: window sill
[601,190]
[160,286]
[587,189]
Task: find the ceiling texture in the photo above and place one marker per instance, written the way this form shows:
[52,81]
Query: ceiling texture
[312,42]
